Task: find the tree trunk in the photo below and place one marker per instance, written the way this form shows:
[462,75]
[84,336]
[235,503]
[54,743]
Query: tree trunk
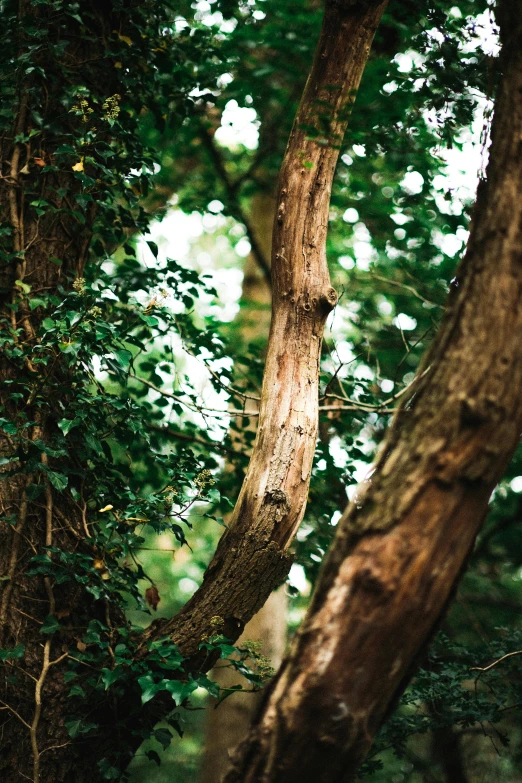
[251,559]
[44,252]
[446,751]
[227,724]
[402,544]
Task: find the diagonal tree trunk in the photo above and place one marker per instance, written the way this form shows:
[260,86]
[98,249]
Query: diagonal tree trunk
[251,558]
[402,544]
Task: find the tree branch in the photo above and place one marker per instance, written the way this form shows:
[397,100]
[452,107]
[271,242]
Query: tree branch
[251,559]
[234,202]
[401,545]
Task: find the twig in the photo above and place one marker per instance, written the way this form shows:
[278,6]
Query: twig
[225,386]
[483,669]
[356,407]
[381,407]
[409,288]
[14,712]
[191,406]
[55,747]
[235,204]
[46,665]
[193,439]
[38,707]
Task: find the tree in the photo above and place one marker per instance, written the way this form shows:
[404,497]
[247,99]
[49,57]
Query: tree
[87,86]
[402,544]
[34,489]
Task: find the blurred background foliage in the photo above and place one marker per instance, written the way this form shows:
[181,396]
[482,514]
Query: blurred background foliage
[416,144]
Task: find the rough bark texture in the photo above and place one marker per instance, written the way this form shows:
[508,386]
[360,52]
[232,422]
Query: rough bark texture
[32,733]
[401,545]
[251,559]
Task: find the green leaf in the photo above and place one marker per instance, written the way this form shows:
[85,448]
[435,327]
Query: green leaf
[150,320]
[153,248]
[73,727]
[25,288]
[58,480]
[36,302]
[77,690]
[226,692]
[50,624]
[153,756]
[123,357]
[8,427]
[48,323]
[179,690]
[210,686]
[77,727]
[66,425]
[148,688]
[110,675]
[163,736]
[14,652]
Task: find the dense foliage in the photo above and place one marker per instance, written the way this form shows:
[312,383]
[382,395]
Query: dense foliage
[139,377]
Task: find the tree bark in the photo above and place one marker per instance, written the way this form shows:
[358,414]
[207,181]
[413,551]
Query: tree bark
[446,751]
[251,559]
[403,542]
[228,724]
[252,556]
[33,698]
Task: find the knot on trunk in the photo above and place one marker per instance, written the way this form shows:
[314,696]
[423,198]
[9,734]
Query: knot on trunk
[278,500]
[328,300]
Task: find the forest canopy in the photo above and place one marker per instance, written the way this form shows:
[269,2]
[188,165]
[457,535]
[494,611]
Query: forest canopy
[259,326]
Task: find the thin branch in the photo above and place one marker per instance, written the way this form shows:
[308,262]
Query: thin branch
[46,665]
[225,386]
[14,712]
[235,205]
[193,439]
[356,407]
[483,669]
[370,407]
[13,560]
[409,288]
[191,406]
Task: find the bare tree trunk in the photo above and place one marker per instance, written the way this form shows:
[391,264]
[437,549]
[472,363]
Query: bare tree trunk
[228,724]
[447,752]
[402,544]
[251,559]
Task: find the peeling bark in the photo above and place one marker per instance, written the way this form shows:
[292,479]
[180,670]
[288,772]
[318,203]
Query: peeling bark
[401,545]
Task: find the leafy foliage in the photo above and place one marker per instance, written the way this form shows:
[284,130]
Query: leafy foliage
[128,447]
